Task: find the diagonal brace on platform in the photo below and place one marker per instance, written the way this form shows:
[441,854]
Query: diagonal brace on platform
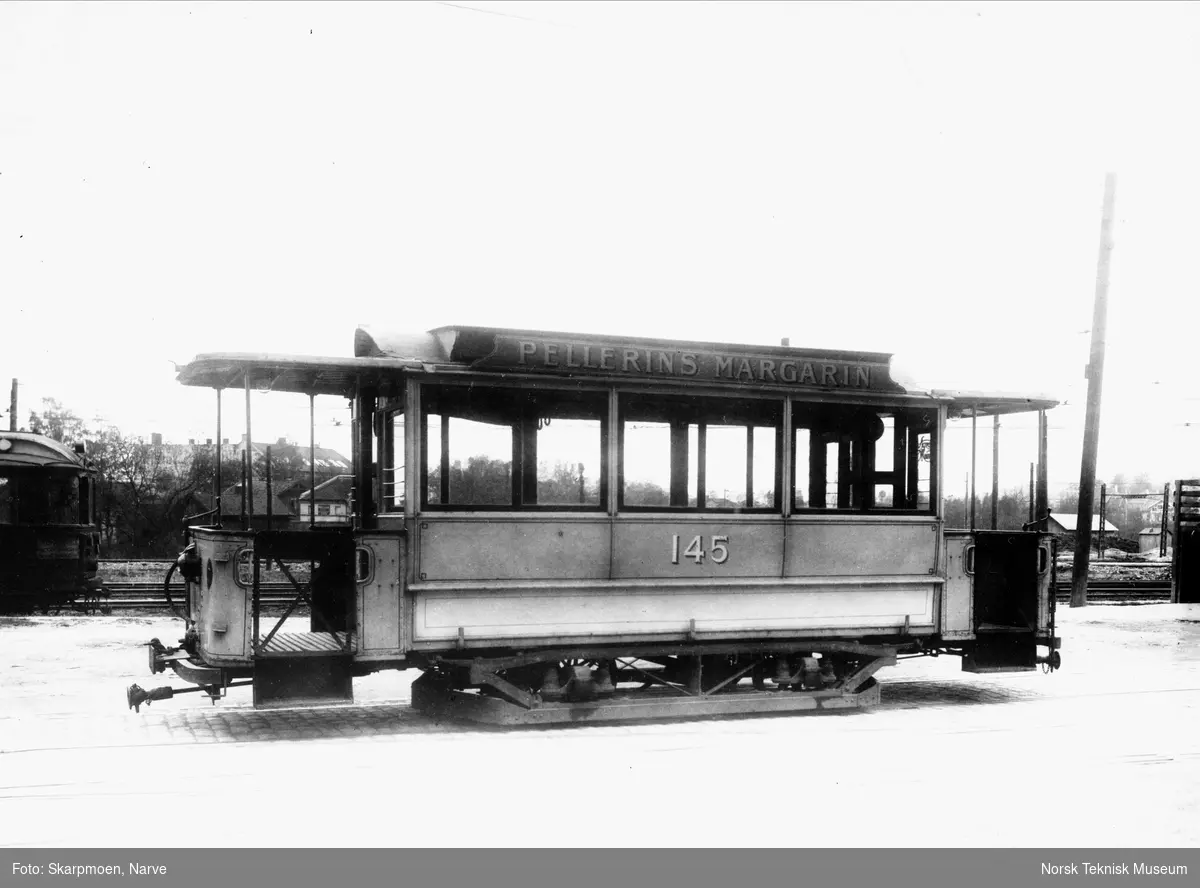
[478,675]
[858,677]
[301,595]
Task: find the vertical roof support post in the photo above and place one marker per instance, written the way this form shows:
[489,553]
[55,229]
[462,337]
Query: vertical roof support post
[1032,516]
[270,510]
[312,460]
[245,523]
[1042,498]
[364,505]
[995,471]
[974,416]
[217,479]
[249,486]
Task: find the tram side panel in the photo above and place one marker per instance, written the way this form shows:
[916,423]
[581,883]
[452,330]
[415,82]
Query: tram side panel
[665,578]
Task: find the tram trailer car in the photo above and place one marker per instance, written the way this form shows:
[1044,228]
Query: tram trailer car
[49,541]
[563,527]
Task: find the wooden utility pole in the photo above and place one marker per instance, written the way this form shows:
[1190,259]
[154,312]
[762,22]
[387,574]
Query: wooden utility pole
[1091,427]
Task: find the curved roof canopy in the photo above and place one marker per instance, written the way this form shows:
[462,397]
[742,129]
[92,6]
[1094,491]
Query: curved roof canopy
[26,449]
[380,355]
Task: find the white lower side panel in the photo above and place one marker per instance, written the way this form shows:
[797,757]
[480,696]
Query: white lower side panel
[510,615]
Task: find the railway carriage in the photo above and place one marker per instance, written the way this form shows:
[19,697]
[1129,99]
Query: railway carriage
[49,541]
[556,527]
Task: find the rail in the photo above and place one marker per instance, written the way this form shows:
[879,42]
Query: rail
[149,596]
[1119,591]
[146,593]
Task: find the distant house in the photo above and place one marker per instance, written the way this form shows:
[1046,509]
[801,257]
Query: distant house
[279,516]
[332,501]
[1065,522]
[325,463]
[1150,539]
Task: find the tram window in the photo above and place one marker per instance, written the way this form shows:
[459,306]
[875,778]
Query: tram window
[508,448]
[85,501]
[863,458]
[699,453]
[391,447]
[568,462]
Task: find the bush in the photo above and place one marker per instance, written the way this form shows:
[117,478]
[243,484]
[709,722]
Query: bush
[1066,543]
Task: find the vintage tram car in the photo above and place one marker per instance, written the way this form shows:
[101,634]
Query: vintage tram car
[556,527]
[49,541]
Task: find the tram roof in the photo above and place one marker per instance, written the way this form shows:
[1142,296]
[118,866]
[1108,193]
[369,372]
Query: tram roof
[37,451]
[536,352]
[964,404]
[310,374]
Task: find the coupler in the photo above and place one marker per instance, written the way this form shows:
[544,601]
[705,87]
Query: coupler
[135,696]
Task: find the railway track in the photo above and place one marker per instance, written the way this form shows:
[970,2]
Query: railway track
[149,596]
[1118,591]
[144,594]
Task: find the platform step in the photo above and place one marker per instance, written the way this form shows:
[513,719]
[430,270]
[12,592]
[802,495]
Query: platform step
[302,681]
[997,629]
[308,644]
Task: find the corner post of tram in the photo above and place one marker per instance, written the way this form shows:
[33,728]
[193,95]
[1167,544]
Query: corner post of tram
[999,593]
[378,570]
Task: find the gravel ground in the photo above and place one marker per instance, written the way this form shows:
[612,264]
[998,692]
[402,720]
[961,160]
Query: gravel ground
[1102,753]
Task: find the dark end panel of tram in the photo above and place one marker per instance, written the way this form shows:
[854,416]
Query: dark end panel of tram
[1006,601]
[1185,567]
[332,587]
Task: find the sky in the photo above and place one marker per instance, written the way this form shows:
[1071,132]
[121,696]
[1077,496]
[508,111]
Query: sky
[923,179]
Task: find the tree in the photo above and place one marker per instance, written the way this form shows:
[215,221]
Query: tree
[566,484]
[1068,500]
[956,512]
[482,482]
[147,490]
[57,422]
[286,465]
[144,491]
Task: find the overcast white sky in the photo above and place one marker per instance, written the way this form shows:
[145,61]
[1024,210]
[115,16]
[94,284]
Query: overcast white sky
[917,178]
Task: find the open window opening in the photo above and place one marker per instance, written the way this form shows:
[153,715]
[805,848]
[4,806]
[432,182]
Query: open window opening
[864,458]
[499,448]
[715,454]
[391,451]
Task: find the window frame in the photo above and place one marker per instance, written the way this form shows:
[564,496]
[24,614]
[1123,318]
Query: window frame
[523,477]
[871,478]
[738,400]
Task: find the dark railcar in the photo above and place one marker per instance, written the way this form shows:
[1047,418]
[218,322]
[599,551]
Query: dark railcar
[49,542]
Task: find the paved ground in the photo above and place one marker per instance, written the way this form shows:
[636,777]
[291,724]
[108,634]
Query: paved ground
[1104,752]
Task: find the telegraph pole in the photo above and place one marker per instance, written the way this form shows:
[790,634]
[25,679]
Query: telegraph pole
[1091,427]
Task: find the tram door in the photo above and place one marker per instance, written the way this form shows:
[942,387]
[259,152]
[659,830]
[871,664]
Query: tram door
[379,573]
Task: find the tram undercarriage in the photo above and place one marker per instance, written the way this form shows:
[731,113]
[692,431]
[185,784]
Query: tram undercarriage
[576,685]
[545,687]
